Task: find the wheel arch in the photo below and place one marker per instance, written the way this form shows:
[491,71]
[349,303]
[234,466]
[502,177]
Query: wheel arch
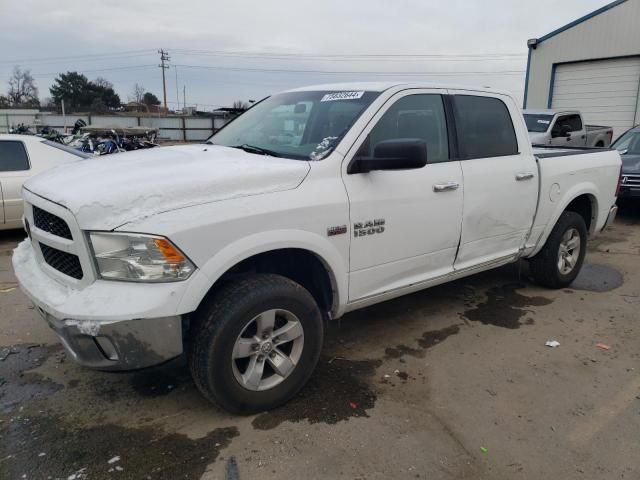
[304,257]
[582,199]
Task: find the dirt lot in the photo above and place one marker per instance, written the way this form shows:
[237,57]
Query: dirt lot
[452,382]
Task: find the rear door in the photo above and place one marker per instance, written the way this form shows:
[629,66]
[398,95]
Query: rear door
[500,178]
[14,170]
[405,223]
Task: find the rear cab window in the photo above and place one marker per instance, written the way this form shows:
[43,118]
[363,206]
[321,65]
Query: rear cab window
[484,127]
[13,156]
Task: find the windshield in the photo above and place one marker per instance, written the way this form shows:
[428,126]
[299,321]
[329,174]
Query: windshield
[299,125]
[537,123]
[629,142]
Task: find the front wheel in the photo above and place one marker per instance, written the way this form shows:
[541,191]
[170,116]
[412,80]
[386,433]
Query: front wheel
[558,263]
[256,343]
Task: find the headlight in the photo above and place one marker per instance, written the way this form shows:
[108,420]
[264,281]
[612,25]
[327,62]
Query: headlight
[138,258]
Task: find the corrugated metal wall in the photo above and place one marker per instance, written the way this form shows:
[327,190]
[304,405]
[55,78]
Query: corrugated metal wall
[614,33]
[605,91]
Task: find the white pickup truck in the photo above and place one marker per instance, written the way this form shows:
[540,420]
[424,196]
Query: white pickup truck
[315,202]
[565,128]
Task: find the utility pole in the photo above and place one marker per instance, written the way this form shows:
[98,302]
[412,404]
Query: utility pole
[177,94]
[184,96]
[164,57]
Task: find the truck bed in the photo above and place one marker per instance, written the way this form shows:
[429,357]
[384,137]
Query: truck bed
[590,128]
[580,170]
[549,151]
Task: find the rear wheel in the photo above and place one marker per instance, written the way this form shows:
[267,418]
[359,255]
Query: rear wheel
[561,258]
[256,343]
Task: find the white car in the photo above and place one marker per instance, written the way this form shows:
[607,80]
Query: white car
[21,157]
[313,203]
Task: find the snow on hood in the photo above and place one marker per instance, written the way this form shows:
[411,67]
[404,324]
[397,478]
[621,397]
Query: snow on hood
[108,191]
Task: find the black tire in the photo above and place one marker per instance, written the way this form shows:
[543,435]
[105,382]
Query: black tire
[544,266]
[219,322]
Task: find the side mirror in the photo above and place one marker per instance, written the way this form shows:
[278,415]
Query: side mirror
[397,154]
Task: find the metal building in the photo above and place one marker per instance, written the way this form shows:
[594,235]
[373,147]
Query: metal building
[591,64]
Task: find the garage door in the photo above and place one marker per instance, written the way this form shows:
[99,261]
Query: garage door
[605,91]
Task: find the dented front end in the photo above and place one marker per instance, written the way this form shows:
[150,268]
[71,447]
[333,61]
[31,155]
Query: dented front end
[123,345]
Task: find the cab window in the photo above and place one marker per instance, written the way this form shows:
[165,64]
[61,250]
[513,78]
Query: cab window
[574,122]
[484,126]
[413,117]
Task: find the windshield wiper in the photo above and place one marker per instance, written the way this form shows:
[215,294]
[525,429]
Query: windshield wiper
[258,150]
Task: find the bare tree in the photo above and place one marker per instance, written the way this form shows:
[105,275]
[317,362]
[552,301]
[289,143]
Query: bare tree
[22,88]
[138,93]
[102,82]
[240,105]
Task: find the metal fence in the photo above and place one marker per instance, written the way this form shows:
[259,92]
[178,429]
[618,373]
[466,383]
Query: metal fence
[175,128]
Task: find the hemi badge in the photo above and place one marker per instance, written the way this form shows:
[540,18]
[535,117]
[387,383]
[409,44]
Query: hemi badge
[339,230]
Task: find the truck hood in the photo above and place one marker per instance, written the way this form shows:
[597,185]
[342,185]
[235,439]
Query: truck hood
[630,163]
[108,191]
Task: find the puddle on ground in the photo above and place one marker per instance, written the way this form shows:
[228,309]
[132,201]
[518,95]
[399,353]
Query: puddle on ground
[597,278]
[504,307]
[338,390]
[50,447]
[140,384]
[428,340]
[16,383]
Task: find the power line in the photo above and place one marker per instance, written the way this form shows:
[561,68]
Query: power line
[100,56]
[352,72]
[107,69]
[349,55]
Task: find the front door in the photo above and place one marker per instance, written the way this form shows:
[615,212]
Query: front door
[500,182]
[405,224]
[577,135]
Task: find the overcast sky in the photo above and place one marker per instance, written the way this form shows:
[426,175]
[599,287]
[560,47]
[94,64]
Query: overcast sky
[225,51]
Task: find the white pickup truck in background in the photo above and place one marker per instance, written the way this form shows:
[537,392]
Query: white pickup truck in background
[313,203]
[565,129]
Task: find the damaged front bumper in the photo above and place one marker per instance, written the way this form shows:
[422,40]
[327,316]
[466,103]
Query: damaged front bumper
[106,325]
[123,345]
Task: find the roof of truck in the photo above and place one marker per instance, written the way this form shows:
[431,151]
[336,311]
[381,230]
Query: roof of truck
[547,111]
[382,86]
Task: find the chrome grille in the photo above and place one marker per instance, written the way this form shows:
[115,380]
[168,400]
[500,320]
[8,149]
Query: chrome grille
[51,223]
[631,181]
[64,262]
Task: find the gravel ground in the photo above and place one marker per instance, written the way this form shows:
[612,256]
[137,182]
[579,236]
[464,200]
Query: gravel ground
[451,382]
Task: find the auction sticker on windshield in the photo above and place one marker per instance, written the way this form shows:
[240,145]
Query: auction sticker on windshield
[330,97]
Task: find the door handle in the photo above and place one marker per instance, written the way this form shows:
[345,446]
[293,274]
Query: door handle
[444,187]
[524,176]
